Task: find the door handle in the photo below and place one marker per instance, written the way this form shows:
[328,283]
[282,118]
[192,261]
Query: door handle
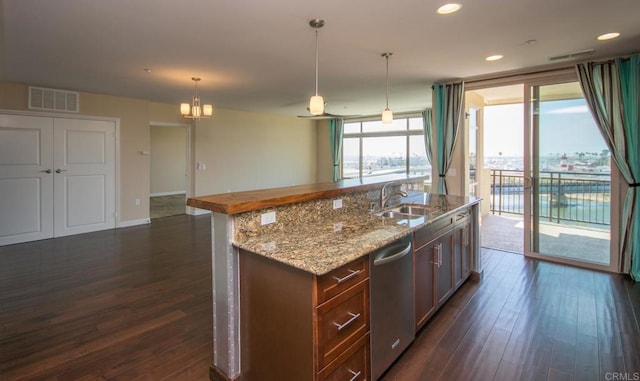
[46,171]
[355,374]
[60,170]
[344,325]
[351,274]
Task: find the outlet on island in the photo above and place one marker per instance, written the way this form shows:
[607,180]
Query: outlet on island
[337,204]
[267,218]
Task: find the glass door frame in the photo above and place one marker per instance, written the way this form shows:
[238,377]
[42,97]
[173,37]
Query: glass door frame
[530,149]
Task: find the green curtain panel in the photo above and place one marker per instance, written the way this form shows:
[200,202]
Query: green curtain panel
[427,127]
[336,132]
[612,91]
[448,108]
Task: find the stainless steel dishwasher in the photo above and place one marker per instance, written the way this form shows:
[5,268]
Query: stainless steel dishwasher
[392,310]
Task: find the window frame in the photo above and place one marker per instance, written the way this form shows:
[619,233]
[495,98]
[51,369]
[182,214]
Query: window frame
[407,133]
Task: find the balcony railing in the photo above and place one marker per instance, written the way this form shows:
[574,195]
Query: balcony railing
[562,197]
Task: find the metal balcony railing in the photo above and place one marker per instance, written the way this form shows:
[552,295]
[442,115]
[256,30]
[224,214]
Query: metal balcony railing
[562,197]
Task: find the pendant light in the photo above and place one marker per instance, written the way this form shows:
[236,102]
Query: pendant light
[194,110]
[316,103]
[387,115]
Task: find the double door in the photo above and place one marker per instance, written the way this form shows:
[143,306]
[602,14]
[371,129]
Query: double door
[57,177]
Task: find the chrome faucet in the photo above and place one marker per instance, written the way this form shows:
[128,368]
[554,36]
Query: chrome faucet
[384,198]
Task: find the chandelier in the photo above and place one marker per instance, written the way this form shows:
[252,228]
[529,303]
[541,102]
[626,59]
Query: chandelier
[194,110]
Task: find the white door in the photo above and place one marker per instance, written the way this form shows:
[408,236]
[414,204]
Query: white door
[84,176]
[26,178]
[57,177]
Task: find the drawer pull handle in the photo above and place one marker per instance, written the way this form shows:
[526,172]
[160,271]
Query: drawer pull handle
[348,322]
[355,375]
[352,273]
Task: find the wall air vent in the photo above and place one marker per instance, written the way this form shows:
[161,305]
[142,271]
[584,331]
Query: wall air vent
[41,98]
[573,55]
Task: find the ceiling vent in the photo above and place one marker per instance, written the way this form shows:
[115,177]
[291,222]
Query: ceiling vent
[573,55]
[41,98]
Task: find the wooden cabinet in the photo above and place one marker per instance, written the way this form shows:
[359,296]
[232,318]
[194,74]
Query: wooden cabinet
[343,319]
[462,248]
[442,262]
[425,301]
[297,326]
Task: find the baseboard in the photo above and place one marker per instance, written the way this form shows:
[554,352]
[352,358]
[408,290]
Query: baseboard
[174,193]
[196,212]
[126,224]
[477,275]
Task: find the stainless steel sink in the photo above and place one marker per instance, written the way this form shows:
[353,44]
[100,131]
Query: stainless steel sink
[419,210]
[397,215]
[407,211]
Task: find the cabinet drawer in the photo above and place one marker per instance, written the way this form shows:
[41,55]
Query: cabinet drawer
[353,364]
[342,278]
[341,321]
[433,230]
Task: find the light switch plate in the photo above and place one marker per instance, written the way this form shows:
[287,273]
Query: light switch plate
[337,204]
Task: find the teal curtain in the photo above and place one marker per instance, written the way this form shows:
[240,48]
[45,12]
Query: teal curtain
[427,127]
[336,132]
[612,91]
[448,108]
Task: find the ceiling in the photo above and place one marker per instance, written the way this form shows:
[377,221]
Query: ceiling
[258,55]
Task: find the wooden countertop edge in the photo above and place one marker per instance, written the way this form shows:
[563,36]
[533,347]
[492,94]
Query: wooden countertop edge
[241,202]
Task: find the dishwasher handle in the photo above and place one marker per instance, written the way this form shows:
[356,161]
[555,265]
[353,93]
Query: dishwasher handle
[384,256]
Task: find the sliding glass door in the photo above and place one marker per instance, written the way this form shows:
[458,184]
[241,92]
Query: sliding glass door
[567,182]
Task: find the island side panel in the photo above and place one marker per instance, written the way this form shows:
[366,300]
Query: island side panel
[476,257]
[277,317]
[226,300]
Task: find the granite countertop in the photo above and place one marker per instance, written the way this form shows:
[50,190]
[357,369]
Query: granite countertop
[328,244]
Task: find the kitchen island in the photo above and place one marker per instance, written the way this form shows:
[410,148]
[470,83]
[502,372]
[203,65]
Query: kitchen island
[283,272]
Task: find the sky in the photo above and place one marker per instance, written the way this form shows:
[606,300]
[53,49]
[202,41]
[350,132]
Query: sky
[566,126]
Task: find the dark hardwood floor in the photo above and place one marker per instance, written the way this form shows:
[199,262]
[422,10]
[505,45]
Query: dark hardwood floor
[530,320]
[124,304]
[135,304]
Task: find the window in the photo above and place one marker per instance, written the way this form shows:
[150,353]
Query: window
[371,148]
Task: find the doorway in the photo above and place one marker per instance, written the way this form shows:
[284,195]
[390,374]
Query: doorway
[169,170]
[548,187]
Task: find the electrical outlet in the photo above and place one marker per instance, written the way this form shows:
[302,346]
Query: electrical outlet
[337,204]
[267,218]
[337,226]
[137,202]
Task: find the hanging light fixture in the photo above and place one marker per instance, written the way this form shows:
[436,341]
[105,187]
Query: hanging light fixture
[316,103]
[194,110]
[387,115]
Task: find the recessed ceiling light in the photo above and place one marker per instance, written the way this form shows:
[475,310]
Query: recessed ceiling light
[449,8]
[608,36]
[494,57]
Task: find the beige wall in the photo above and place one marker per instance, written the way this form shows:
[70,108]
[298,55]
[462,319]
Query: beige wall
[245,151]
[324,159]
[241,150]
[168,159]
